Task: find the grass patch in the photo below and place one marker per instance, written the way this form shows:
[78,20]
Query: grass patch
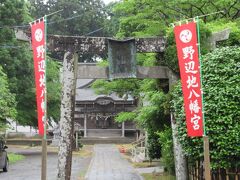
[145,164]
[86,151]
[82,175]
[158,176]
[13,158]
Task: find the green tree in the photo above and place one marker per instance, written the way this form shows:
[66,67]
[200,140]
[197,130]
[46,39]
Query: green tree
[17,63]
[7,100]
[53,89]
[221,80]
[78,18]
[15,56]
[143,18]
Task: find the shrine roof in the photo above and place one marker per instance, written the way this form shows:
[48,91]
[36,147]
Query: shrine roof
[84,92]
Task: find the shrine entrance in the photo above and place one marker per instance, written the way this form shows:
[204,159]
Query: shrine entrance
[72,45]
[96,113]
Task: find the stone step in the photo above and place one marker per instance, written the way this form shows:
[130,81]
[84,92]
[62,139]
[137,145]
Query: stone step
[104,132]
[107,140]
[29,142]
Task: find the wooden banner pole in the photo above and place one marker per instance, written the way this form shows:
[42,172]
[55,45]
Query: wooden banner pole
[207,172]
[44,159]
[44,140]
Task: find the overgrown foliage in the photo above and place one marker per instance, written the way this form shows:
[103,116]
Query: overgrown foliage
[221,80]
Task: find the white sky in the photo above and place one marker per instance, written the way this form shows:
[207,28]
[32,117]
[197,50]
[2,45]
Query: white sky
[108,1]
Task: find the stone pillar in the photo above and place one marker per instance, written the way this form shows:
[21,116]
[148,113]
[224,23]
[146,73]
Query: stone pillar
[123,129]
[85,125]
[180,159]
[67,116]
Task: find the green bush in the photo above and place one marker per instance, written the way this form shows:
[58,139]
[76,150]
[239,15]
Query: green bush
[166,141]
[221,86]
[154,117]
[153,145]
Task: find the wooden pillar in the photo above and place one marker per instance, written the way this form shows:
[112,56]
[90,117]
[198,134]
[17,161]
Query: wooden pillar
[76,140]
[146,145]
[44,159]
[207,170]
[123,129]
[137,135]
[180,159]
[67,116]
[85,125]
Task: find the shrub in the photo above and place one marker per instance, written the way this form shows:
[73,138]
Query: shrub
[221,86]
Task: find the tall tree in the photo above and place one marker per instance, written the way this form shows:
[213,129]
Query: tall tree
[142,18]
[15,56]
[17,63]
[77,18]
[7,100]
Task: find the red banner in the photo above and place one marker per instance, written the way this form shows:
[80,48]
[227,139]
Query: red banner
[38,46]
[186,40]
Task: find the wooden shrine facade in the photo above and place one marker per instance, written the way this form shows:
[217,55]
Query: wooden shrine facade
[94,114]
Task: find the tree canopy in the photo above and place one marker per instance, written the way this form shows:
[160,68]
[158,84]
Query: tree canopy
[15,56]
[133,18]
[145,18]
[76,18]
[7,100]
[221,79]
[17,63]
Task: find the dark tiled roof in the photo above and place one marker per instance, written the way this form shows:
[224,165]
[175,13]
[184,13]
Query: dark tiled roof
[85,93]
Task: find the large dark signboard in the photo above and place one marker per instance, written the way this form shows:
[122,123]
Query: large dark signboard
[122,58]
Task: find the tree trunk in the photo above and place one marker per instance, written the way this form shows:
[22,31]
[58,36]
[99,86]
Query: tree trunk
[180,159]
[67,116]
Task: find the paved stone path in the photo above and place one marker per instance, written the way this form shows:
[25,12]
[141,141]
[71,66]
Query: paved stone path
[108,164]
[30,167]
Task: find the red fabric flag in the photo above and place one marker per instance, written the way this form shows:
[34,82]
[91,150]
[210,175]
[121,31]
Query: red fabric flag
[186,41]
[38,46]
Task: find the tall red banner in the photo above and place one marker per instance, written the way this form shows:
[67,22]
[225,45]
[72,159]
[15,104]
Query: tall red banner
[186,41]
[38,46]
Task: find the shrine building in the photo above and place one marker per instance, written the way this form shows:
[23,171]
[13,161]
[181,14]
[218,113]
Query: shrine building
[94,114]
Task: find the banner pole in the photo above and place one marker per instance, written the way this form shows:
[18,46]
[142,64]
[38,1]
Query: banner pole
[44,139]
[207,172]
[200,60]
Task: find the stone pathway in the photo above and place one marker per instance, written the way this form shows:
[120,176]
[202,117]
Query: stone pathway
[150,170]
[30,167]
[108,164]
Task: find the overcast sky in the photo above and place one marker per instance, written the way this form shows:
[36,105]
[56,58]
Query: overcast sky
[108,1]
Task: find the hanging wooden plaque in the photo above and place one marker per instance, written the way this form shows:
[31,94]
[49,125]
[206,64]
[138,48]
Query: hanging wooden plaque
[122,58]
